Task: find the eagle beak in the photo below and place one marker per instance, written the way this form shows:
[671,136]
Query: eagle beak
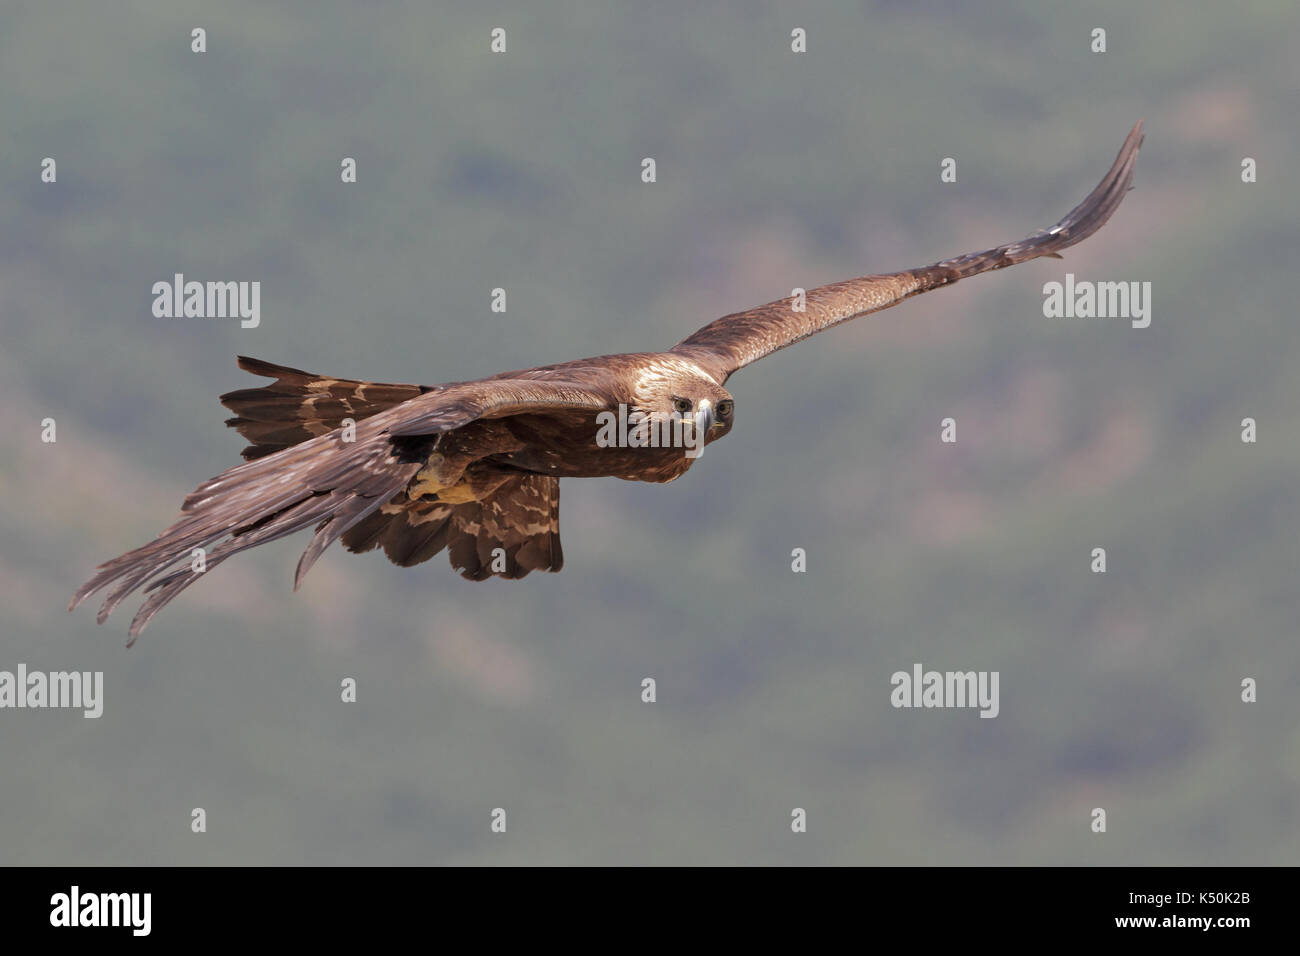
[704,418]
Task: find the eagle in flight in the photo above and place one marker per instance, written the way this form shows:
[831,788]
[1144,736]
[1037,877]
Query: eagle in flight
[475,467]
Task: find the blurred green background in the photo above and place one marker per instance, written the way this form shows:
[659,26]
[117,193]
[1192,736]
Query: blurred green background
[775,170]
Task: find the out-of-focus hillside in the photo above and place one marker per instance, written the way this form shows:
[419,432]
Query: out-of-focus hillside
[775,170]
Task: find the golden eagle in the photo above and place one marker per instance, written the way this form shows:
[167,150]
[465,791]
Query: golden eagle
[475,467]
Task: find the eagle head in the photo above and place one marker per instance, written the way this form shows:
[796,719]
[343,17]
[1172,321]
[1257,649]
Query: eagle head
[670,387]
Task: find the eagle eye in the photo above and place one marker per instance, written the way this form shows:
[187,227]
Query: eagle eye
[725,408]
[682,405]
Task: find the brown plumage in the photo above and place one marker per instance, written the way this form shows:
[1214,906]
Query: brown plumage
[474,467]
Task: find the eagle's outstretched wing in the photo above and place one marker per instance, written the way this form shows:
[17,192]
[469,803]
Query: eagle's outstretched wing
[336,484]
[734,341]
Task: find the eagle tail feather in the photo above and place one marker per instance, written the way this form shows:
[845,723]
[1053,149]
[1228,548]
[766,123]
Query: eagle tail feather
[300,405]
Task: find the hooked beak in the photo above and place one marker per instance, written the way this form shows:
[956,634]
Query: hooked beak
[704,418]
